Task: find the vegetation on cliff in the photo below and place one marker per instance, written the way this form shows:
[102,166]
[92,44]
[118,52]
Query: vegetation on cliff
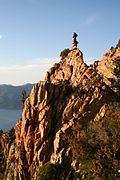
[96,145]
[49,172]
[64,53]
[23,96]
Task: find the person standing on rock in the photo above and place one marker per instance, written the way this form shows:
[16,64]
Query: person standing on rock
[74,42]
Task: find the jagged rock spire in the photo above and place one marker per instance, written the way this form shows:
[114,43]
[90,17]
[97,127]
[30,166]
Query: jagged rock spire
[74,42]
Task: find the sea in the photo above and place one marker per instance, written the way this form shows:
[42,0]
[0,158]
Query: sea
[8,118]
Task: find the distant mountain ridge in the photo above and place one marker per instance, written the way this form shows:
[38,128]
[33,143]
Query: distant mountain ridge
[10,95]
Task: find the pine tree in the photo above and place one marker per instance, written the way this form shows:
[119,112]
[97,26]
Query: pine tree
[23,97]
[64,53]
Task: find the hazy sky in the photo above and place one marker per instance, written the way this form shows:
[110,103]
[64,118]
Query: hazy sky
[33,32]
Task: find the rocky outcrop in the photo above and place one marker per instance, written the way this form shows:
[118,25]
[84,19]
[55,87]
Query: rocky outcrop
[6,143]
[71,92]
[107,66]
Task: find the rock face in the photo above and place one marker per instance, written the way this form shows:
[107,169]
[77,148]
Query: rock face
[106,67]
[71,92]
[6,154]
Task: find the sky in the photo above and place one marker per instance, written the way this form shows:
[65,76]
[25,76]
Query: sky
[34,32]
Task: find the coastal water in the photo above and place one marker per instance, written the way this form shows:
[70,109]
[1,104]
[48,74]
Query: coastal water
[8,118]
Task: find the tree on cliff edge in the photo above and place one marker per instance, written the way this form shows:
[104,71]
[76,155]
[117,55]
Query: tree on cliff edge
[64,53]
[23,97]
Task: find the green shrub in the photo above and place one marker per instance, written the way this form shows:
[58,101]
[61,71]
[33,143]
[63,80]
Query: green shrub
[23,96]
[48,172]
[64,53]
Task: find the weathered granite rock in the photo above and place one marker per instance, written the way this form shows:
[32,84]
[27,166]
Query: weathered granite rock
[71,92]
[6,155]
[106,67]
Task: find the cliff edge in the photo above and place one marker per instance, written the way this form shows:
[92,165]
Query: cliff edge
[72,92]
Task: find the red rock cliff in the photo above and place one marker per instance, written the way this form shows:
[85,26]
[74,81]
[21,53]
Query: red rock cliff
[71,92]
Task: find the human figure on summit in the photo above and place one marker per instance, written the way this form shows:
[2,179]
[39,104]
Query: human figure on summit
[74,42]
